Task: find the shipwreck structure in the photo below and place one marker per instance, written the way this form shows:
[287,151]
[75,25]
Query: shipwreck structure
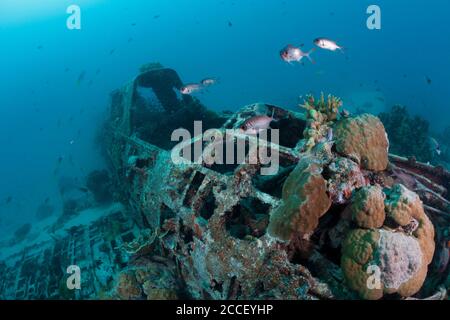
[341,218]
[339,212]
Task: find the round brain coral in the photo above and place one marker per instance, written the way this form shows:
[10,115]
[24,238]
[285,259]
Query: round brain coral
[400,255]
[364,139]
[367,207]
[305,201]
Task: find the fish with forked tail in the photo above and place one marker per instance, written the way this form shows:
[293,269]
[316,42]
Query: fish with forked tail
[327,44]
[291,54]
[190,88]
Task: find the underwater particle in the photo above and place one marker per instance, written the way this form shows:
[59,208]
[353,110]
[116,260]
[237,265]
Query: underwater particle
[8,200]
[327,44]
[81,77]
[156,16]
[295,54]
[428,80]
[39,47]
[112,51]
[230,24]
[133,24]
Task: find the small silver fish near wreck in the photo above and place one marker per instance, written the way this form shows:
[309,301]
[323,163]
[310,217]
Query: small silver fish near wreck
[190,88]
[256,124]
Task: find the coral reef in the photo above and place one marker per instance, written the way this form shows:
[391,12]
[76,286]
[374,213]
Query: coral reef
[338,204]
[395,235]
[148,280]
[343,177]
[367,207]
[305,200]
[364,140]
[320,115]
[397,259]
[408,135]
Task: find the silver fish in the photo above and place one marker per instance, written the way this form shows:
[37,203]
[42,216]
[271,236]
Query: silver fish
[327,44]
[256,124]
[190,88]
[208,82]
[295,54]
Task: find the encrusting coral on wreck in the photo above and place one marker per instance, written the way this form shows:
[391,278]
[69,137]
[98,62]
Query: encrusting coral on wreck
[394,235]
[367,207]
[338,209]
[305,201]
[364,140]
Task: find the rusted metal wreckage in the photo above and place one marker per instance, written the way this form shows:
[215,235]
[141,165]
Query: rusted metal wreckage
[212,221]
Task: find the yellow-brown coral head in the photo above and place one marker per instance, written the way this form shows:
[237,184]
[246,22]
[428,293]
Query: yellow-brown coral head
[367,207]
[376,262]
[363,139]
[305,201]
[377,259]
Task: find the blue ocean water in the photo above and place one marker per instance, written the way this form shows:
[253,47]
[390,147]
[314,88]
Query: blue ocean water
[55,82]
